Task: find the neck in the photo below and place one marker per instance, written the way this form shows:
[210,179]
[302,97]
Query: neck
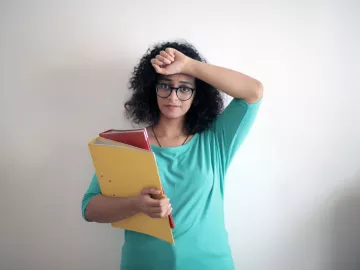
[170,128]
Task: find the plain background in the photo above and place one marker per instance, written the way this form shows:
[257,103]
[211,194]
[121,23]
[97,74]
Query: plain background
[293,189]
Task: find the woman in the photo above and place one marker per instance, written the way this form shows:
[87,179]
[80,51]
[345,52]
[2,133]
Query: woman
[175,93]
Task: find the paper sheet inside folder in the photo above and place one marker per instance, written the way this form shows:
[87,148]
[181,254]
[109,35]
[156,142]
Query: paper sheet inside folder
[123,171]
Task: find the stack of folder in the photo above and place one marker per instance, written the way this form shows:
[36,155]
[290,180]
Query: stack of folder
[124,165]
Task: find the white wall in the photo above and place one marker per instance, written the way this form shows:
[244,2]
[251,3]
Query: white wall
[293,190]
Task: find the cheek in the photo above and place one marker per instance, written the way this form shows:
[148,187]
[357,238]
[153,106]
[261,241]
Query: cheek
[160,102]
[186,106]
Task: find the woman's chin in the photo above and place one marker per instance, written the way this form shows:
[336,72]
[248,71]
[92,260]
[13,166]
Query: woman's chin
[172,115]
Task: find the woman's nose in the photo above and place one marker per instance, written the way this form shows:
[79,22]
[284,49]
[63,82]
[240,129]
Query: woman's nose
[173,95]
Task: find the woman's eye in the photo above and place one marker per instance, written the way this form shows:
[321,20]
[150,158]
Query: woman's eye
[184,89]
[164,86]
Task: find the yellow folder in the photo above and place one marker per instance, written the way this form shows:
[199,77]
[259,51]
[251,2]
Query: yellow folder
[123,171]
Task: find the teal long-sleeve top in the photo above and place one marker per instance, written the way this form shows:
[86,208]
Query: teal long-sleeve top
[193,177]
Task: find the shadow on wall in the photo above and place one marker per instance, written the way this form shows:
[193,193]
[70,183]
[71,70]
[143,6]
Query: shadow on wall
[344,228]
[329,237]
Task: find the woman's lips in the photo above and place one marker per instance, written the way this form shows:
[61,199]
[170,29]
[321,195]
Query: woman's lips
[171,107]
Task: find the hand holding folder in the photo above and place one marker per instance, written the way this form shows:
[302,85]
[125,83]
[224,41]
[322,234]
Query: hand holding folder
[152,205]
[135,137]
[117,166]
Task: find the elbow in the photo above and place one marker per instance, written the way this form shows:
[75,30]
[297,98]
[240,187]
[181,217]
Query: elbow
[87,214]
[257,93]
[87,208]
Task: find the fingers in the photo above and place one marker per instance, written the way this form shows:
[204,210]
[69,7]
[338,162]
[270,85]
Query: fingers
[156,61]
[171,52]
[169,211]
[167,56]
[159,212]
[160,70]
[157,66]
[155,208]
[158,203]
[164,58]
[150,191]
[160,209]
[153,197]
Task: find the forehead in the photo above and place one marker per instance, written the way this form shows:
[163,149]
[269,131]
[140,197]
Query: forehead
[178,78]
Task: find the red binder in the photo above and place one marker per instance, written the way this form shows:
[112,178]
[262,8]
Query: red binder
[134,137]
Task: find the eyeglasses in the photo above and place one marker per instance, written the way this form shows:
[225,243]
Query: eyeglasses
[183,92]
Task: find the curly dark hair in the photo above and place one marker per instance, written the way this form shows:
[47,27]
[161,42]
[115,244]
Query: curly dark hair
[142,107]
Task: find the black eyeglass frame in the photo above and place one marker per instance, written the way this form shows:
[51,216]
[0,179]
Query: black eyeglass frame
[176,91]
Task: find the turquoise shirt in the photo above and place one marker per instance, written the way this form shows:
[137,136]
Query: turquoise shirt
[193,177]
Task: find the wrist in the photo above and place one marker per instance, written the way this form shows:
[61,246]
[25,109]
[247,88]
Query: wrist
[189,66]
[134,204]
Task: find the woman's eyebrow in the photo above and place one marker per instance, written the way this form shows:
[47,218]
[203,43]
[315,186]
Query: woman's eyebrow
[185,82]
[169,80]
[165,79]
